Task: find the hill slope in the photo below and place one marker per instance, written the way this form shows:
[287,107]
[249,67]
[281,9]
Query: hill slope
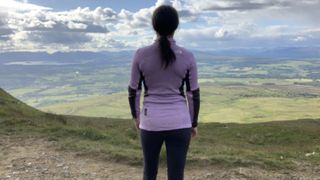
[10,106]
[277,145]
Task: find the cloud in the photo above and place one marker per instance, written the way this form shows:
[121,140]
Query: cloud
[243,5]
[163,2]
[205,23]
[5,31]
[246,5]
[38,28]
[142,18]
[43,28]
[186,12]
[20,6]
[59,38]
[223,33]
[246,36]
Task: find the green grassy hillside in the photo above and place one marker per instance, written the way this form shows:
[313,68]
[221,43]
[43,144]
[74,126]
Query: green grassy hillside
[280,144]
[11,107]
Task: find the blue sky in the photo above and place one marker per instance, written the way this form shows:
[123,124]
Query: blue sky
[115,25]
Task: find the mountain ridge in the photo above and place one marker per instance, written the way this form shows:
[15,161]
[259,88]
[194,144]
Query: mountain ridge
[280,52]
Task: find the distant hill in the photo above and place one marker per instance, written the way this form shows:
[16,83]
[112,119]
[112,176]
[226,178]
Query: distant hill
[80,56]
[281,52]
[291,52]
[75,56]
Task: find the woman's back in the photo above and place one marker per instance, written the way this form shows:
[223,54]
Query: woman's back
[164,105]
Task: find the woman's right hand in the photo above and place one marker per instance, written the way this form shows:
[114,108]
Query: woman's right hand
[194,132]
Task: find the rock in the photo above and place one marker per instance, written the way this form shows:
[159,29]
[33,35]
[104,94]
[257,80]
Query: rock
[310,154]
[208,175]
[281,157]
[60,165]
[243,172]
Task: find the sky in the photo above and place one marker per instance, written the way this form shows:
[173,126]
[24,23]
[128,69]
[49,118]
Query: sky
[116,25]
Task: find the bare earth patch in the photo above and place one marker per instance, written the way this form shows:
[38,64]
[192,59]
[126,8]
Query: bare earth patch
[37,158]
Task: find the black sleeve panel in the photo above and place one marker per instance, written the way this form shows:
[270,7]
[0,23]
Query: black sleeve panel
[196,106]
[132,101]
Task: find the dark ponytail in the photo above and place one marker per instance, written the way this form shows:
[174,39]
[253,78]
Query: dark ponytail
[165,21]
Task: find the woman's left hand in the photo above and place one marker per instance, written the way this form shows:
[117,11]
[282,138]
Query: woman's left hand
[137,121]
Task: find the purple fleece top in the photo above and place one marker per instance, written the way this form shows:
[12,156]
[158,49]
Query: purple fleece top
[165,106]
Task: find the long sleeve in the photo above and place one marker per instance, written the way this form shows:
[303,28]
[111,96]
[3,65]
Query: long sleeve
[193,92]
[134,87]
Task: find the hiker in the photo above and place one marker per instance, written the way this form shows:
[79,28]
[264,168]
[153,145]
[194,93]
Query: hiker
[169,114]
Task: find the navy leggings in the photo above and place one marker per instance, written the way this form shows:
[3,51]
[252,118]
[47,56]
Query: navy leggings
[176,142]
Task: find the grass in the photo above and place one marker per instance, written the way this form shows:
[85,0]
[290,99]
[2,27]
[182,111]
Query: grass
[272,145]
[114,105]
[219,103]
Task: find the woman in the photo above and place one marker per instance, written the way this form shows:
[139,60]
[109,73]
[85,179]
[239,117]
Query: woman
[168,114]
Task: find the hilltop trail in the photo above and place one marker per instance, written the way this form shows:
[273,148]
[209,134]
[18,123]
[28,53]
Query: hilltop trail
[38,158]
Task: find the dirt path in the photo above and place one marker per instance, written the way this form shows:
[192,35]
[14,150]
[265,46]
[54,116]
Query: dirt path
[34,158]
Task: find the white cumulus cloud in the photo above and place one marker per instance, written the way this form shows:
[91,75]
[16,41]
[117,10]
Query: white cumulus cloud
[205,23]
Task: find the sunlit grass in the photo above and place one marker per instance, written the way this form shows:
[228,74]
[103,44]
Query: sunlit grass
[219,103]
